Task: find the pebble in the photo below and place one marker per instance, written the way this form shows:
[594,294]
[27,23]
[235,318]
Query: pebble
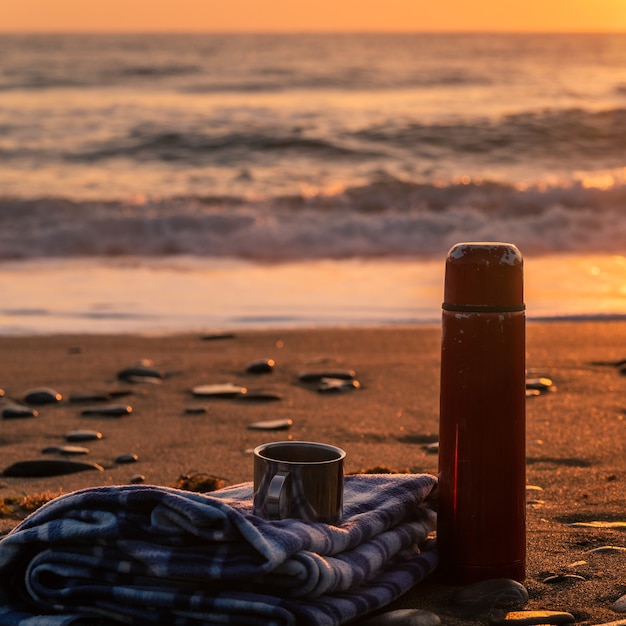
[48,467]
[15,411]
[263,366]
[314,377]
[282,424]
[195,410]
[599,524]
[606,550]
[67,450]
[220,390]
[127,458]
[619,606]
[563,578]
[42,395]
[403,617]
[539,384]
[217,336]
[111,410]
[140,373]
[502,593]
[261,396]
[137,479]
[337,385]
[82,435]
[1,393]
[431,448]
[524,618]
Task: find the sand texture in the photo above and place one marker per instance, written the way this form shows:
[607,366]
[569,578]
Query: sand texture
[576,433]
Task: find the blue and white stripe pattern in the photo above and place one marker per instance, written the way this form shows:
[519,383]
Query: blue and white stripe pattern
[154,555]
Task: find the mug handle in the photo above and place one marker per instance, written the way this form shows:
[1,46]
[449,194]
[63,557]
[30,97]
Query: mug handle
[277,496]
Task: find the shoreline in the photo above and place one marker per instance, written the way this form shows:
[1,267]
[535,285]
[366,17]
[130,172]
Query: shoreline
[576,468]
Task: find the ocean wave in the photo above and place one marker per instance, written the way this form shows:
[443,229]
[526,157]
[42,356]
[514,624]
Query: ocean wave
[391,218]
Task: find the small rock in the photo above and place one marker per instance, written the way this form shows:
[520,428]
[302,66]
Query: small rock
[220,390]
[619,606]
[528,618]
[112,410]
[199,482]
[431,448]
[137,479]
[282,424]
[83,435]
[140,373]
[126,458]
[539,384]
[67,450]
[599,524]
[195,410]
[403,617]
[263,366]
[501,593]
[563,578]
[337,385]
[1,393]
[217,336]
[314,377]
[42,395]
[48,467]
[15,411]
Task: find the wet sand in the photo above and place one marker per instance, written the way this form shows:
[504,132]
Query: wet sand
[575,433]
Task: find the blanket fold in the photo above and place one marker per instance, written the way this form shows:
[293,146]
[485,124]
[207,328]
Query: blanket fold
[155,555]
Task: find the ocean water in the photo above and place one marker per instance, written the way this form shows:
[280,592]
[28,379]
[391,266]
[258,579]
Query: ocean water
[160,183]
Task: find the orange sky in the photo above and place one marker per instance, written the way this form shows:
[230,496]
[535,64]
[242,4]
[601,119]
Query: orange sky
[312,15]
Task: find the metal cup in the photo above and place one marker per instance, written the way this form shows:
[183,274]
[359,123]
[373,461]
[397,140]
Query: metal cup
[298,479]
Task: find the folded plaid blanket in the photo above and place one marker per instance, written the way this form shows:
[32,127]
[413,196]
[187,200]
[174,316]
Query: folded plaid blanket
[155,555]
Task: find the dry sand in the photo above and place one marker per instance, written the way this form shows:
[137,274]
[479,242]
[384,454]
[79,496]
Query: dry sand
[576,434]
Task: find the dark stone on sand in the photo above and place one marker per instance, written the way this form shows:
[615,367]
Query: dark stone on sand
[127,458]
[263,366]
[112,410]
[66,450]
[140,373]
[195,410]
[217,336]
[314,377]
[219,390]
[94,396]
[403,617]
[496,593]
[48,467]
[337,385]
[83,435]
[260,396]
[619,606]
[42,395]
[607,550]
[137,479]
[281,424]
[431,448]
[540,384]
[15,411]
[529,618]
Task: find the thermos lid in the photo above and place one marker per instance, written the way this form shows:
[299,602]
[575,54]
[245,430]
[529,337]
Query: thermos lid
[484,275]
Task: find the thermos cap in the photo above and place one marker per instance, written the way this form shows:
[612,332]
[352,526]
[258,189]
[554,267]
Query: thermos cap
[484,275]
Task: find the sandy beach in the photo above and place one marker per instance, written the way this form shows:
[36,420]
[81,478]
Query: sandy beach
[576,466]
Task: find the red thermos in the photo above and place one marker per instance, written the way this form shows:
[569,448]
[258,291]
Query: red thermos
[481,528]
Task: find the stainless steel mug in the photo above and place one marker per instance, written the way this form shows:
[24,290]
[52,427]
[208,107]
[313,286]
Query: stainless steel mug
[299,479]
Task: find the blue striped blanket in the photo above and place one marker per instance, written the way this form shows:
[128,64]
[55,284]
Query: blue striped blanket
[155,555]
